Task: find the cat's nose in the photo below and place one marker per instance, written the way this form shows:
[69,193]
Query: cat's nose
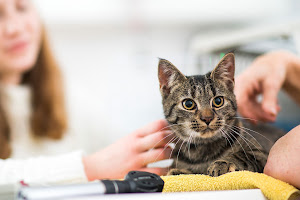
[207,115]
[207,119]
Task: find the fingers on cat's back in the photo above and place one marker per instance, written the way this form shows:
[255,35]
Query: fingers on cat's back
[155,140]
[155,155]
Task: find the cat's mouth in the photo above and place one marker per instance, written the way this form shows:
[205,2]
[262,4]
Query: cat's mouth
[202,127]
[204,131]
[208,132]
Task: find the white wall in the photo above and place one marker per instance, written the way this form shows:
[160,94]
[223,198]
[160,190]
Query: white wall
[111,77]
[108,51]
[165,12]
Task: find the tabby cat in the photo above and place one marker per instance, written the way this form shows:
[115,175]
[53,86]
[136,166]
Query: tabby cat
[202,112]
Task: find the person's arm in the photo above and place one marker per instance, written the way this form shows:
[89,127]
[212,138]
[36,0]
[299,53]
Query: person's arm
[133,152]
[67,168]
[284,161]
[266,76]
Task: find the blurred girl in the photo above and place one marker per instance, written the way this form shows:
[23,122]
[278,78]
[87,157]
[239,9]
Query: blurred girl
[33,120]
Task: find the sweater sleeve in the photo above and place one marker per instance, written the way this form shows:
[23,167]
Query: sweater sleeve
[66,168]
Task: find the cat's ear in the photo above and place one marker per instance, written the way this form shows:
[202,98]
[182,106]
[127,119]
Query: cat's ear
[168,76]
[224,71]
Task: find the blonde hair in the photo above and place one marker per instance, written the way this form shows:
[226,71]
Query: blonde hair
[48,117]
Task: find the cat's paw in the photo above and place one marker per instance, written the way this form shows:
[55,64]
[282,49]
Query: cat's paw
[178,172]
[220,167]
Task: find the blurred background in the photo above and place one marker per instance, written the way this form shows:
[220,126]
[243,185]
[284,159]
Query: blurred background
[109,50]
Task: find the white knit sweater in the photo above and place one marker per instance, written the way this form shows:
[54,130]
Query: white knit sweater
[36,160]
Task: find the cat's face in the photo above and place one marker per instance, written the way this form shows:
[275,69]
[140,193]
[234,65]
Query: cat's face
[199,108]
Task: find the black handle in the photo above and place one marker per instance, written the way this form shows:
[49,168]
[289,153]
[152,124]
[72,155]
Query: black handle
[135,182]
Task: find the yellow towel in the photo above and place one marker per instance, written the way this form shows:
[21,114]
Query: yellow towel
[271,188]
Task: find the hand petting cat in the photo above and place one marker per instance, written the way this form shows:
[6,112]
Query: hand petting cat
[133,152]
[266,76]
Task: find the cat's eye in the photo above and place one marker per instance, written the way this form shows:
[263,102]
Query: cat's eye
[189,104]
[217,102]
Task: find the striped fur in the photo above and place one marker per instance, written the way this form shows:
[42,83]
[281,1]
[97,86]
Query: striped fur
[210,140]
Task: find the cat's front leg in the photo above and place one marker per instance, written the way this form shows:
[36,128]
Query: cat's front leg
[220,167]
[177,171]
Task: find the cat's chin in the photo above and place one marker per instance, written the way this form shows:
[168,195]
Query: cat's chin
[208,133]
[204,134]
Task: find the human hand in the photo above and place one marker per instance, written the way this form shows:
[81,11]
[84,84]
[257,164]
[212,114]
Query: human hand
[133,152]
[284,162]
[265,77]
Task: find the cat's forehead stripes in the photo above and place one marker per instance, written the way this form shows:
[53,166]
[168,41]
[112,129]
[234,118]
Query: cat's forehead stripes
[193,87]
[207,90]
[210,83]
[202,85]
[199,89]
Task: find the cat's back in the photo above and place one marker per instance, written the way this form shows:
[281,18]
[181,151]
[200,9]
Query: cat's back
[264,133]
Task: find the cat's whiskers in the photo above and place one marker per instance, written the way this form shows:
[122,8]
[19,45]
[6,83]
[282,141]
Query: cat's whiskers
[160,141]
[256,147]
[166,135]
[246,118]
[194,141]
[189,145]
[166,146]
[179,151]
[179,124]
[234,128]
[223,135]
[240,129]
[172,151]
[255,132]
[227,139]
[244,129]
[239,144]
[245,140]
[186,144]
[171,140]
